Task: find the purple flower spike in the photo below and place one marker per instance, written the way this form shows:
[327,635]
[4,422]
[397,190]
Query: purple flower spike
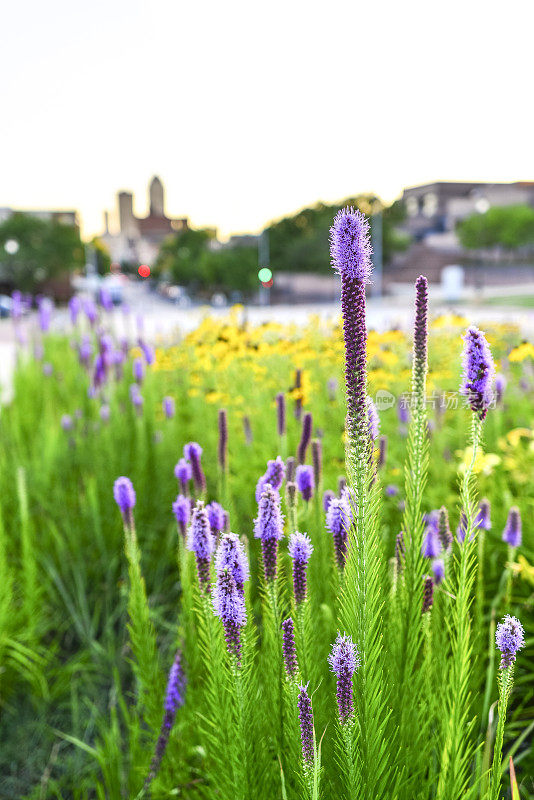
[168,407]
[306,726]
[138,370]
[269,527]
[512,533]
[305,481]
[350,249]
[350,245]
[229,605]
[428,594]
[182,511]
[431,543]
[281,413]
[444,531]
[338,522]
[174,699]
[192,453]
[200,541]
[328,496]
[500,386]
[274,476]
[216,517]
[483,518]
[420,337]
[75,308]
[124,495]
[479,371]
[222,447]
[317,461]
[183,473]
[344,660]
[403,411]
[438,569]
[300,549]
[305,437]
[509,638]
[382,451]
[288,648]
[231,555]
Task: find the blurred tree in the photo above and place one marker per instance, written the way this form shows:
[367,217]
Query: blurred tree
[37,251]
[300,243]
[101,255]
[501,226]
[180,254]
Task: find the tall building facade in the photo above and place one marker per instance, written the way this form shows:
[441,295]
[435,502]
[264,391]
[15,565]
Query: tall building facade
[139,238]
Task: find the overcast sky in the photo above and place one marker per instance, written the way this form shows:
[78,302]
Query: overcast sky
[251,110]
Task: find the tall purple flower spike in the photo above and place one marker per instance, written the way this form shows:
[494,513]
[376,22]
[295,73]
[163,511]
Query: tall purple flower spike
[281,413]
[305,437]
[174,699]
[289,650]
[216,515]
[509,638]
[269,527]
[479,372]
[168,407]
[183,473]
[428,594]
[317,461]
[420,337]
[200,541]
[274,475]
[483,517]
[512,533]
[338,522]
[192,452]
[300,549]
[182,511]
[231,555]
[344,660]
[431,547]
[306,726]
[229,605]
[222,446]
[124,495]
[305,481]
[350,249]
[444,530]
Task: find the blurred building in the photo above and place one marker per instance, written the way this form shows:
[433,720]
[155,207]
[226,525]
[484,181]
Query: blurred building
[64,217]
[434,209]
[139,238]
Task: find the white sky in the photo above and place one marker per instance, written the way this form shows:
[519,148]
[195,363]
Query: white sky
[251,110]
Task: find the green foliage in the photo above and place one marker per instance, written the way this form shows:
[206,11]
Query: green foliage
[502,226]
[101,255]
[300,243]
[87,630]
[46,250]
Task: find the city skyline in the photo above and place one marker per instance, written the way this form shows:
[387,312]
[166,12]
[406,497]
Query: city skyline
[248,116]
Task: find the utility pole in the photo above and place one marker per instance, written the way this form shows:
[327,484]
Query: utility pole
[263,261]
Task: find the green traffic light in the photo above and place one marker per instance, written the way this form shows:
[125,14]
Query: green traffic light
[265,274]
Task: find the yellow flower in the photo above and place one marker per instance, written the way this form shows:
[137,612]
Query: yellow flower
[484,462]
[525,350]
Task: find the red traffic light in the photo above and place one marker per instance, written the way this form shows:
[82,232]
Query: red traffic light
[144,270]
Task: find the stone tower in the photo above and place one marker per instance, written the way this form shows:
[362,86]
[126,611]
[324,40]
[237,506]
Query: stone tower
[157,198]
